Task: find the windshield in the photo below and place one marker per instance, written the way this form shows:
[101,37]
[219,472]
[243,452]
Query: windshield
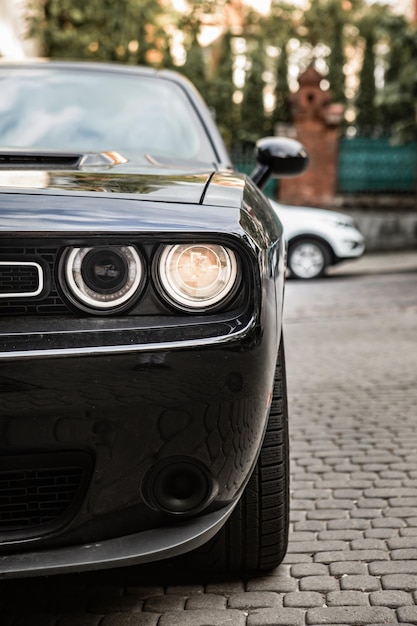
[89,111]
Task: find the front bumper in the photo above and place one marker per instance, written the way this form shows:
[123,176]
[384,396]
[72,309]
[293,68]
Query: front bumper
[118,416]
[350,245]
[144,547]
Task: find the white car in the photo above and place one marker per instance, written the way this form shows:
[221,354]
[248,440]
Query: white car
[317,238]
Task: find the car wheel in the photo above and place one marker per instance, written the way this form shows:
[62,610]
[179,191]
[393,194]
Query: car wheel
[256,535]
[307,258]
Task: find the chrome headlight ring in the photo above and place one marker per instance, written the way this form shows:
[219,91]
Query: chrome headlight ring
[197,276]
[102,279]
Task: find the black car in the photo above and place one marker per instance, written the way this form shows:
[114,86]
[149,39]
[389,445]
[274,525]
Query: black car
[143,410]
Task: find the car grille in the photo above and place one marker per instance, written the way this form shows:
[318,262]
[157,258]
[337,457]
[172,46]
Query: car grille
[25,280]
[18,279]
[42,493]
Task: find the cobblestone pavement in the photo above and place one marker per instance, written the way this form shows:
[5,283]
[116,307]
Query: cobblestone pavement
[352,558]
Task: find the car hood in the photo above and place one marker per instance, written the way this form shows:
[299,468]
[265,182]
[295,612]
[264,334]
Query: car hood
[110,173]
[36,198]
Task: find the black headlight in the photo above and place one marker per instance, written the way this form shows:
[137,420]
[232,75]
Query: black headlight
[102,279]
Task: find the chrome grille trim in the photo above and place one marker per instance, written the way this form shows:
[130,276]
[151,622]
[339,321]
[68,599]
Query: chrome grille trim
[25,294]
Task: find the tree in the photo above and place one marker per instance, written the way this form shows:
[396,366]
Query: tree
[397,101]
[366,119]
[128,31]
[220,91]
[325,21]
[195,65]
[281,112]
[253,122]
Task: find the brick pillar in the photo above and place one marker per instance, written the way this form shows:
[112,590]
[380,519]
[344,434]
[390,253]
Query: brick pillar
[317,125]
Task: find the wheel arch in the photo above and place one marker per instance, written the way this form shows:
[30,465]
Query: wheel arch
[331,256]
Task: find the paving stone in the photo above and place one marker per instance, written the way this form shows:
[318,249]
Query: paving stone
[388,522]
[368,544]
[301,505]
[310,525]
[160,604]
[299,570]
[404,553]
[327,514]
[360,583]
[392,599]
[348,524]
[206,601]
[254,600]
[319,583]
[114,604]
[399,581]
[312,494]
[229,617]
[275,617]
[383,490]
[351,555]
[403,501]
[304,599]
[340,535]
[184,590]
[122,619]
[342,568]
[302,536]
[371,503]
[366,513]
[311,547]
[408,532]
[407,614]
[402,542]
[355,615]
[226,587]
[392,567]
[298,557]
[405,511]
[146,591]
[280,584]
[352,494]
[380,533]
[346,598]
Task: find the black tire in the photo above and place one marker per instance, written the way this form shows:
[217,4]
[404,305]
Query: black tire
[256,535]
[307,258]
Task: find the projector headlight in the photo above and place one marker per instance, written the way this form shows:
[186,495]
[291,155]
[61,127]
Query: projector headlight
[197,276]
[103,278]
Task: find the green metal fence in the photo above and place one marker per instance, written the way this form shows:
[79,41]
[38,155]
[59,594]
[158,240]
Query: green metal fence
[368,165]
[243,158]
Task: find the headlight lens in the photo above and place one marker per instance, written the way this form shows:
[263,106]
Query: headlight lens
[197,276]
[103,278]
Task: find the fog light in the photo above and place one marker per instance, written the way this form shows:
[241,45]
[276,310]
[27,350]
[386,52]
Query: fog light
[178,486]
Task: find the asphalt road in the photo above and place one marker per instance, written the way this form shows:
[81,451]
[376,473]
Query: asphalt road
[351,344]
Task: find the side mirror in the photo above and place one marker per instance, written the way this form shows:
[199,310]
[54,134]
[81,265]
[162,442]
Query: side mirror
[280,156]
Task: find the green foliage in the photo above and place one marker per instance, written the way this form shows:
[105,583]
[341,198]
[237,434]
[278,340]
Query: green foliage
[141,32]
[398,100]
[325,21]
[366,119]
[281,112]
[130,31]
[195,65]
[220,90]
[253,123]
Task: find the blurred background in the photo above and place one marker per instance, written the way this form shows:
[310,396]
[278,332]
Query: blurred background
[339,75]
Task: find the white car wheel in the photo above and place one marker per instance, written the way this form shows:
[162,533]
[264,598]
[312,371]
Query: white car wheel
[307,259]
